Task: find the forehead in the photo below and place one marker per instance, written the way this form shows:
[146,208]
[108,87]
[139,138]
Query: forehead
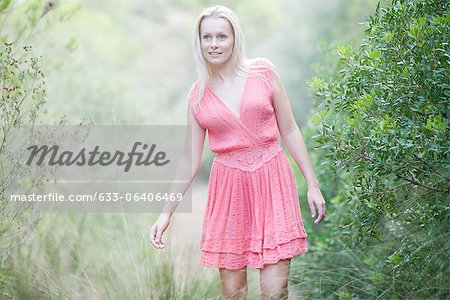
[213,24]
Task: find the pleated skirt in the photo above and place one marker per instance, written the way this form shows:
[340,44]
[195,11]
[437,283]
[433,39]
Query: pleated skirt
[252,215]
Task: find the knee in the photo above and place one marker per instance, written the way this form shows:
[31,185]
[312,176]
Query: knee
[274,293]
[233,292]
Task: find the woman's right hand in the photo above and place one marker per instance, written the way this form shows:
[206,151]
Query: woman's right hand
[157,231]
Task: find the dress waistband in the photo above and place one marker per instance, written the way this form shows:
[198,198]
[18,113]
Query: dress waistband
[249,159]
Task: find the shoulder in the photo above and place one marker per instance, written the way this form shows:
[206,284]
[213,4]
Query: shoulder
[263,66]
[194,86]
[193,94]
[193,89]
[261,62]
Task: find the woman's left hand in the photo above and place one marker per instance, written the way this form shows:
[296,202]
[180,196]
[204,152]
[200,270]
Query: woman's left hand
[315,200]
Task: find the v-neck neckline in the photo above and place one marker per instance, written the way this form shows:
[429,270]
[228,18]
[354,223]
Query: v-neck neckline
[241,100]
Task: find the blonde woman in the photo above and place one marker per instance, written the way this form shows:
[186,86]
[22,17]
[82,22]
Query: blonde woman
[252,217]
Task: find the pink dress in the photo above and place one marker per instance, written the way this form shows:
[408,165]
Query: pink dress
[252,216]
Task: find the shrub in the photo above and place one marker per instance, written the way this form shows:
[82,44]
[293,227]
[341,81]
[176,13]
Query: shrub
[383,118]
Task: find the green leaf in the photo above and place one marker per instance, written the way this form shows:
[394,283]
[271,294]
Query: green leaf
[4,5]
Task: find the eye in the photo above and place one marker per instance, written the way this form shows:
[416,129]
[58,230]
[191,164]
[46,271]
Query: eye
[206,37]
[222,37]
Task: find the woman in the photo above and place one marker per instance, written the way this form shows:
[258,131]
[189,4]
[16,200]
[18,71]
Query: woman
[252,218]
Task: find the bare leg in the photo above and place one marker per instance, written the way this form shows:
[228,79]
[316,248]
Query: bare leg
[234,283]
[274,280]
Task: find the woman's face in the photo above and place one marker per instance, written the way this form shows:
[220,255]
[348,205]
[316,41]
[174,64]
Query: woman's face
[217,40]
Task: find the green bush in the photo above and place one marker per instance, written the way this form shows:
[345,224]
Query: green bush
[22,98]
[383,119]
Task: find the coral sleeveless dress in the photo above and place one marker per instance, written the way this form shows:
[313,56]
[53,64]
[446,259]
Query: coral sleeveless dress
[252,216]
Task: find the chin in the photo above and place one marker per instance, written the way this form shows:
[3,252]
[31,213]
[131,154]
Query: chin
[218,60]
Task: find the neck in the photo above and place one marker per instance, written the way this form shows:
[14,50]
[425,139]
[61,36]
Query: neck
[223,72]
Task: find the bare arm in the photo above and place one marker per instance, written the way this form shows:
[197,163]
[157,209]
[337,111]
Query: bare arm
[188,167]
[293,139]
[189,164]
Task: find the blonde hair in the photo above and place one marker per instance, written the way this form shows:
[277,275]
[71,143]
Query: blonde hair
[238,56]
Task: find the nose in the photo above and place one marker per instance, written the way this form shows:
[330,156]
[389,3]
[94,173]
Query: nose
[214,43]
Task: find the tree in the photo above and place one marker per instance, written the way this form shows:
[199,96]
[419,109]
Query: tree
[383,118]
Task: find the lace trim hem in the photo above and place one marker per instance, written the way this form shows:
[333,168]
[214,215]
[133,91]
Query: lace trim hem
[252,259]
[252,243]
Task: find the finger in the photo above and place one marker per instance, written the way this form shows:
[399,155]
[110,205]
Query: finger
[312,210]
[152,236]
[158,244]
[319,219]
[158,237]
[321,214]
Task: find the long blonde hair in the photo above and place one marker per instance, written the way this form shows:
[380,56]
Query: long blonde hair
[238,56]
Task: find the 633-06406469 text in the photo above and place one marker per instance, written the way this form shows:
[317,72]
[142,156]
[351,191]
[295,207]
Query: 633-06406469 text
[101,197]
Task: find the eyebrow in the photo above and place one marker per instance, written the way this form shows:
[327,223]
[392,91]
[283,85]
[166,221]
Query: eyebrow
[217,33]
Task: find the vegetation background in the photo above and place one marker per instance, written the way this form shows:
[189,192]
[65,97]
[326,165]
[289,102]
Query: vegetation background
[367,80]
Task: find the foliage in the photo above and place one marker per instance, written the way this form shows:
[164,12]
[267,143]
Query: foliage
[70,256]
[384,121]
[22,97]
[98,256]
[23,92]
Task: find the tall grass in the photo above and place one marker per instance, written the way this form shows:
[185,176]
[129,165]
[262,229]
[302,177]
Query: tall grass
[105,256]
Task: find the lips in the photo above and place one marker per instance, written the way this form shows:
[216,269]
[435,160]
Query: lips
[215,53]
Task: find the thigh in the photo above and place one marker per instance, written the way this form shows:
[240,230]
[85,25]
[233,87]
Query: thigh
[274,277]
